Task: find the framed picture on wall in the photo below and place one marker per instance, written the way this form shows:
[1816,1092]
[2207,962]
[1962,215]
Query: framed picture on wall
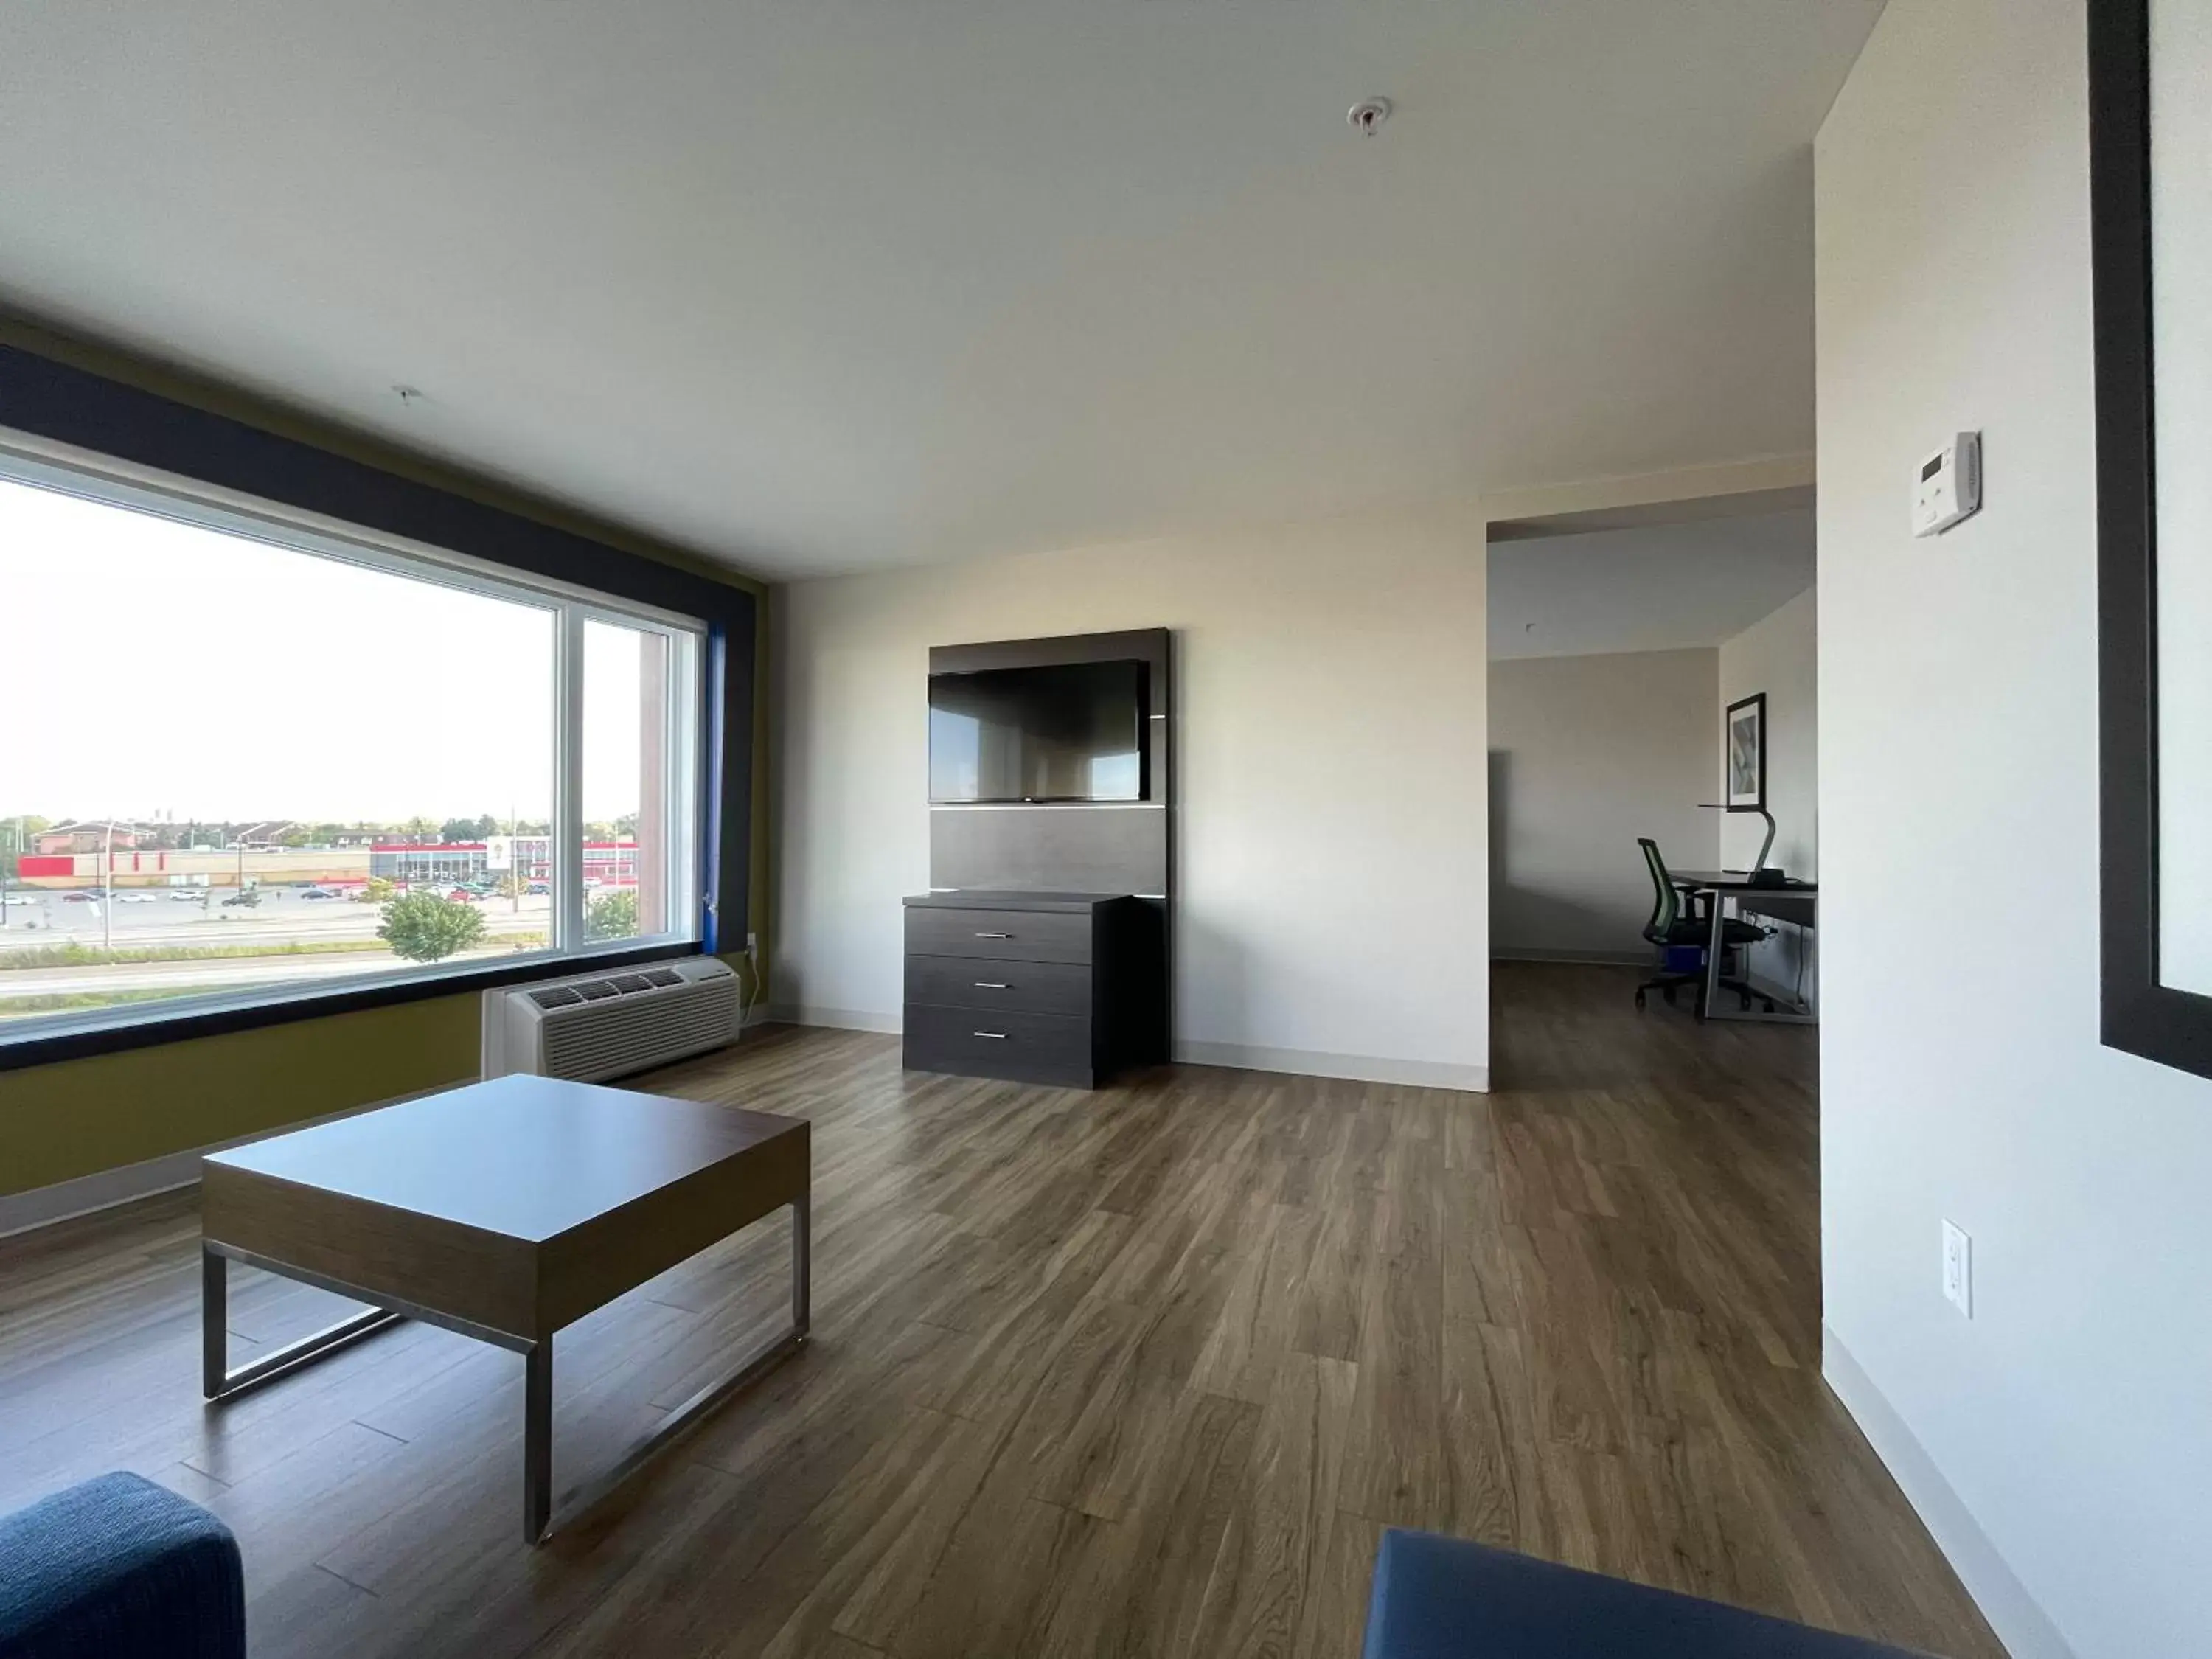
[1744,738]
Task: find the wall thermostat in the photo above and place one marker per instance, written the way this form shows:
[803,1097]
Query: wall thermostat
[1950,486]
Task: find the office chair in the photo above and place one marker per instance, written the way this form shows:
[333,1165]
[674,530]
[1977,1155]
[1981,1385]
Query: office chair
[1671,931]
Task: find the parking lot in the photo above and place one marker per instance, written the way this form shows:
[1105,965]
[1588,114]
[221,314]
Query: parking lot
[146,917]
[199,945]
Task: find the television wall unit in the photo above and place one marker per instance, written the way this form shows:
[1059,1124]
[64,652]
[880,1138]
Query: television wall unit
[1082,853]
[1057,732]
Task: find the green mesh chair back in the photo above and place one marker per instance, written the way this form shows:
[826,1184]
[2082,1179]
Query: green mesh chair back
[1666,900]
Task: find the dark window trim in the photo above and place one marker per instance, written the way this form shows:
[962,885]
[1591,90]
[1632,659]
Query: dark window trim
[152,1029]
[2139,1014]
[65,404]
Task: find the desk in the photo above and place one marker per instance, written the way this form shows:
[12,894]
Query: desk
[1718,886]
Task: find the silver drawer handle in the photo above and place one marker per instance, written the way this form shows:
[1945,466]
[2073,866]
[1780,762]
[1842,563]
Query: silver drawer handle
[998,1035]
[994,936]
[990,985]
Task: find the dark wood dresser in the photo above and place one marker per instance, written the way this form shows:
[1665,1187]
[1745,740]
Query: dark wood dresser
[1037,987]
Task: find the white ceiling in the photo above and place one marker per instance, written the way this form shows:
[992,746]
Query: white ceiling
[1667,588]
[824,284]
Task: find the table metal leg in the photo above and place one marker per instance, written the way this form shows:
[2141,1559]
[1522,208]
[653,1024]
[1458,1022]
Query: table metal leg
[217,1381]
[802,1260]
[1713,996]
[215,1322]
[538,1442]
[539,1522]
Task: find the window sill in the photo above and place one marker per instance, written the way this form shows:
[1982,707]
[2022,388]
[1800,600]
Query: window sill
[139,1028]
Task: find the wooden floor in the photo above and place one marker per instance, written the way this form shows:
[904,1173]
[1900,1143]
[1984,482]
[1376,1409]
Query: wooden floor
[1143,1371]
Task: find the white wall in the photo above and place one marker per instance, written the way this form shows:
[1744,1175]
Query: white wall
[1586,755]
[2060,1443]
[1332,856]
[1777,654]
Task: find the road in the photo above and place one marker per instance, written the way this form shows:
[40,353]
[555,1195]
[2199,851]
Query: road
[281,918]
[222,973]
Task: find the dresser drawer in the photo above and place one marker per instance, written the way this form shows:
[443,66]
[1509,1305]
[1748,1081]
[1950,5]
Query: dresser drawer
[1014,935]
[1026,987]
[976,1043]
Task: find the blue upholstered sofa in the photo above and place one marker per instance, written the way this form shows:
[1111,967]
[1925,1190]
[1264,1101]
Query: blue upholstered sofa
[1444,1598]
[119,1568]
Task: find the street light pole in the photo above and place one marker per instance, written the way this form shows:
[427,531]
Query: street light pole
[107,891]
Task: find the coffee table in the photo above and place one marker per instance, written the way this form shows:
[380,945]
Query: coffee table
[503,1210]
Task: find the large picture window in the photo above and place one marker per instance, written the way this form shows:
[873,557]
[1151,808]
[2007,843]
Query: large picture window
[246,755]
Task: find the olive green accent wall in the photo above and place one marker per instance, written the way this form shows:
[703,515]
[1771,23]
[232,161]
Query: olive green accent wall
[78,1117]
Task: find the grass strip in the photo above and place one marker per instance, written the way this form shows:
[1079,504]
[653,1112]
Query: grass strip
[73,955]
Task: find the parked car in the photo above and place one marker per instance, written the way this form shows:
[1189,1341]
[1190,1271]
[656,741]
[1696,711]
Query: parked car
[79,898]
[463,896]
[537,890]
[134,898]
[188,895]
[316,892]
[249,897]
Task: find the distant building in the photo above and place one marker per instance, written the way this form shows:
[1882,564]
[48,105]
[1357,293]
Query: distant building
[265,835]
[609,863]
[82,837]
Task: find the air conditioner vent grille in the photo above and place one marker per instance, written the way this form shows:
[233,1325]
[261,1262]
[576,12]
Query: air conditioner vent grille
[641,1034]
[590,1030]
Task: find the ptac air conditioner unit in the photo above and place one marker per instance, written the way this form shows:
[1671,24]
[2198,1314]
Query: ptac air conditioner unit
[595,1026]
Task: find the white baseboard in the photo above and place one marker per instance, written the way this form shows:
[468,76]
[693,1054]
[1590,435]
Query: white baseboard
[1358,1068]
[839,1019]
[2021,1624]
[104,1190]
[43,1206]
[1300,1062]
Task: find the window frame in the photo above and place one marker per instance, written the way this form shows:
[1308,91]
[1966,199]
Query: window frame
[2139,1014]
[46,409]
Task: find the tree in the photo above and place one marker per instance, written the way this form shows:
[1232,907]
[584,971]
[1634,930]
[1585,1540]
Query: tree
[16,833]
[612,915]
[378,890]
[424,927]
[455,829]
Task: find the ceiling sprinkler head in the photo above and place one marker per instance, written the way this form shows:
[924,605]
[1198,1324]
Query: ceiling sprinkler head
[1368,115]
[408,394]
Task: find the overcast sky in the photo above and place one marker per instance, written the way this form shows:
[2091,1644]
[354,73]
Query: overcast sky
[152,667]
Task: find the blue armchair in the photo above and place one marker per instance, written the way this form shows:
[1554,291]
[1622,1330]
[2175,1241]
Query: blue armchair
[1444,1598]
[119,1568]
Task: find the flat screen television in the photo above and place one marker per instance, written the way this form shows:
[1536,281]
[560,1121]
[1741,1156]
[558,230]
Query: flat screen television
[1069,731]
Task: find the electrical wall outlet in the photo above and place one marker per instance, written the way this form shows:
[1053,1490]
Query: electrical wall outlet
[1959,1269]
[752,943]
